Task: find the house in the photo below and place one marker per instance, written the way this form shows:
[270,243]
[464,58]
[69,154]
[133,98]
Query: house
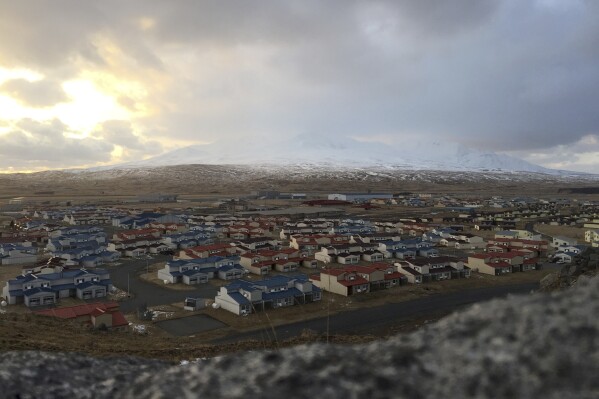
[96,315]
[518,234]
[350,280]
[561,241]
[341,281]
[372,256]
[421,270]
[376,237]
[254,243]
[243,297]
[413,275]
[591,236]
[230,272]
[541,246]
[17,256]
[34,289]
[200,270]
[496,264]
[428,252]
[348,258]
[359,197]
[206,251]
[567,253]
[263,261]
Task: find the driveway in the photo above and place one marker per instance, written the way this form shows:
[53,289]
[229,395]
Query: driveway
[127,275]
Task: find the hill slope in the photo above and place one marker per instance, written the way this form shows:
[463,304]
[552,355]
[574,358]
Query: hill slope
[328,153]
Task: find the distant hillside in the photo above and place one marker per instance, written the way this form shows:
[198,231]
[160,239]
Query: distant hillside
[239,179]
[323,152]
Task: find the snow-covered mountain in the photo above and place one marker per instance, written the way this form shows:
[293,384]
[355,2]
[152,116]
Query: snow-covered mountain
[328,152]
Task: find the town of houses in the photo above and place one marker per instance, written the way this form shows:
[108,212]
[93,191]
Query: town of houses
[270,258]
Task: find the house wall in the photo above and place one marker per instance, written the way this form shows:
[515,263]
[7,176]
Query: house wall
[411,278]
[105,319]
[359,289]
[256,270]
[40,299]
[93,292]
[476,263]
[19,259]
[287,267]
[310,263]
[227,303]
[195,279]
[164,274]
[330,283]
[350,260]
[486,269]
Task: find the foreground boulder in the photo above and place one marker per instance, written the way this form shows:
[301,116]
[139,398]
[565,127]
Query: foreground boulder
[544,345]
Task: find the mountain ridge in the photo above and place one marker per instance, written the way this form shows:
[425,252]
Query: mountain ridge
[328,153]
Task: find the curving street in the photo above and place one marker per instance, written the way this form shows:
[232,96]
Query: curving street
[379,320]
[127,275]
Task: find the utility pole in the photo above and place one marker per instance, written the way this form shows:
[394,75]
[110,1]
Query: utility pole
[329,299]
[128,294]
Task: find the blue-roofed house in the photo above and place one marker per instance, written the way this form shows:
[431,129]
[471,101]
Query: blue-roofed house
[35,289]
[244,297]
[416,243]
[231,272]
[428,252]
[11,254]
[200,270]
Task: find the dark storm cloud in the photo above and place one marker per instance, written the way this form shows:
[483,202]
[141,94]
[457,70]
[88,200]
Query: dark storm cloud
[500,75]
[46,33]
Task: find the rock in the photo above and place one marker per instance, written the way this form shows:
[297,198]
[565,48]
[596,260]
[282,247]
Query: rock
[543,345]
[43,375]
[549,282]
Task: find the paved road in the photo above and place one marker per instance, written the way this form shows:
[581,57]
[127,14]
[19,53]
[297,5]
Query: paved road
[142,292]
[379,320]
[376,320]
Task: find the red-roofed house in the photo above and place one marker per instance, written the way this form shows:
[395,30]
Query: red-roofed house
[493,264]
[341,281]
[206,251]
[351,280]
[97,315]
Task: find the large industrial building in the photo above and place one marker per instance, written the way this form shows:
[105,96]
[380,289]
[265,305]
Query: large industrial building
[359,197]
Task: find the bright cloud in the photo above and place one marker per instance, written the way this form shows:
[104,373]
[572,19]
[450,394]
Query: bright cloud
[581,156]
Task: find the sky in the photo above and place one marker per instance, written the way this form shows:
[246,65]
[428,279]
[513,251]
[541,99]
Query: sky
[89,83]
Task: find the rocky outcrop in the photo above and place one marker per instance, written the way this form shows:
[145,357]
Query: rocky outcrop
[544,345]
[584,264]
